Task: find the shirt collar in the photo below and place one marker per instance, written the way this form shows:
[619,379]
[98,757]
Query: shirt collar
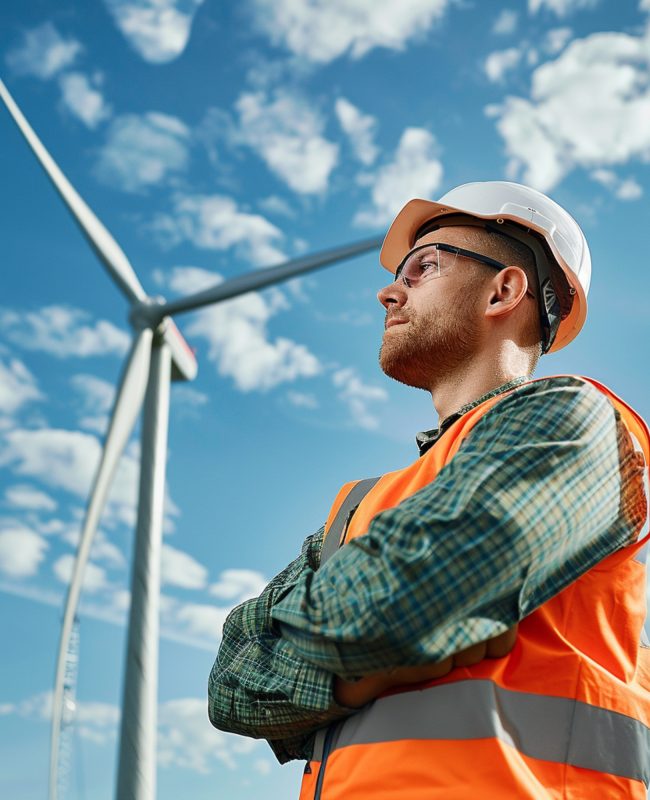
[426,439]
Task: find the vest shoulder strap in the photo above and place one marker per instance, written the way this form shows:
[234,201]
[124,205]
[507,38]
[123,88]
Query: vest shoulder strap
[346,509]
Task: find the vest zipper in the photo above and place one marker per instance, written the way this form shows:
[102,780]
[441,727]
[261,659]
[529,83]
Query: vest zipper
[327,745]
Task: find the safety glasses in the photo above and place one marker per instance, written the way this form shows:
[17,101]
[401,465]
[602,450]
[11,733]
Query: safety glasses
[433,260]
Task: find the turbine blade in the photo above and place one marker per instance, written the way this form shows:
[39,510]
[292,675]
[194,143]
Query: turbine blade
[266,277]
[184,366]
[128,402]
[104,245]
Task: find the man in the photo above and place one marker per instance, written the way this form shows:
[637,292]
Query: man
[468,626]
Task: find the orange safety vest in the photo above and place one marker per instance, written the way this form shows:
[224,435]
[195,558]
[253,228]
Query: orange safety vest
[565,715]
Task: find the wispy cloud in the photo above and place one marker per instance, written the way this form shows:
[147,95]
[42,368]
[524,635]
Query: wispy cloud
[43,53]
[415,171]
[22,495]
[215,222]
[97,399]
[21,551]
[358,396]
[321,31]
[562,8]
[621,188]
[143,151]
[83,98]
[556,40]
[238,584]
[500,62]
[17,384]
[181,569]
[302,400]
[506,22]
[67,460]
[360,129]
[158,30]
[62,331]
[94,579]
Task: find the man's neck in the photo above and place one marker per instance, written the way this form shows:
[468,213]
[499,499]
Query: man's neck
[454,391]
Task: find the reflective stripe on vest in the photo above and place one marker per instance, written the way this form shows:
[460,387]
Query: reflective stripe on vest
[554,729]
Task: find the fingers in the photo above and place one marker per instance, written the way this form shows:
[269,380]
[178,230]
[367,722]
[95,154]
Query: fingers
[501,645]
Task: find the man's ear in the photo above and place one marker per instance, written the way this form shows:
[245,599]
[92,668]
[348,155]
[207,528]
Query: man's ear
[507,289]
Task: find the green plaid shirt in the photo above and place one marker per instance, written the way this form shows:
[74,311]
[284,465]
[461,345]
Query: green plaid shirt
[545,486]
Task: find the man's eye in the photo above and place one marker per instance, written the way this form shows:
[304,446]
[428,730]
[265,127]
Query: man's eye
[425,265]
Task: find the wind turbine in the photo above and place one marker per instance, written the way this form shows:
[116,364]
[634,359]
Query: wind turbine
[159,354]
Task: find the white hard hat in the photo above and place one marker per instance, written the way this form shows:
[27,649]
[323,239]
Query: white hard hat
[532,212]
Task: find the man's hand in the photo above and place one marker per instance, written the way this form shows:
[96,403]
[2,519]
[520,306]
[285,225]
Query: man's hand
[358,693]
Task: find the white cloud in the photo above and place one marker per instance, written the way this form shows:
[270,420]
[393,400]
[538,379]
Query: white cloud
[63,459]
[83,100]
[262,766]
[238,584]
[98,394]
[588,108]
[143,150]
[302,400]
[22,495]
[277,205]
[202,621]
[506,22]
[360,129]
[21,551]
[158,30]
[357,396]
[62,331]
[556,40]
[96,722]
[43,53]
[102,549]
[17,385]
[502,61]
[560,7]
[623,189]
[94,577]
[236,331]
[180,569]
[187,739]
[214,222]
[415,171]
[68,460]
[188,396]
[286,132]
[322,30]
[97,397]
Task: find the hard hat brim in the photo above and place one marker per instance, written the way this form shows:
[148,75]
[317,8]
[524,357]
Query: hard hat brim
[401,237]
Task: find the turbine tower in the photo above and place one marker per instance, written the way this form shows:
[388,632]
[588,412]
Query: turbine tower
[159,354]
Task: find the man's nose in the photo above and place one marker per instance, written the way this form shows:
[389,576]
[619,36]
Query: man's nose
[394,294]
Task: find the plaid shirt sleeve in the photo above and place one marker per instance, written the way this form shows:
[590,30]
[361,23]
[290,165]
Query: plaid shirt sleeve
[259,686]
[545,486]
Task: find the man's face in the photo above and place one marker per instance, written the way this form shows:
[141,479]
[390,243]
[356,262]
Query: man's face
[434,327]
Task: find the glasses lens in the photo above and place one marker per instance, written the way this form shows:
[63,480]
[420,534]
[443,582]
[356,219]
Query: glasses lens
[424,263]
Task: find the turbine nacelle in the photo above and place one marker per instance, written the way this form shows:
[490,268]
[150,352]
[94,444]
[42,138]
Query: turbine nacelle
[148,314]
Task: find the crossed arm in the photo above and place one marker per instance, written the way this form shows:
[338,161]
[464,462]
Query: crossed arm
[503,528]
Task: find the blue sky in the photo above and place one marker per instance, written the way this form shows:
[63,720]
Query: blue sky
[212,140]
